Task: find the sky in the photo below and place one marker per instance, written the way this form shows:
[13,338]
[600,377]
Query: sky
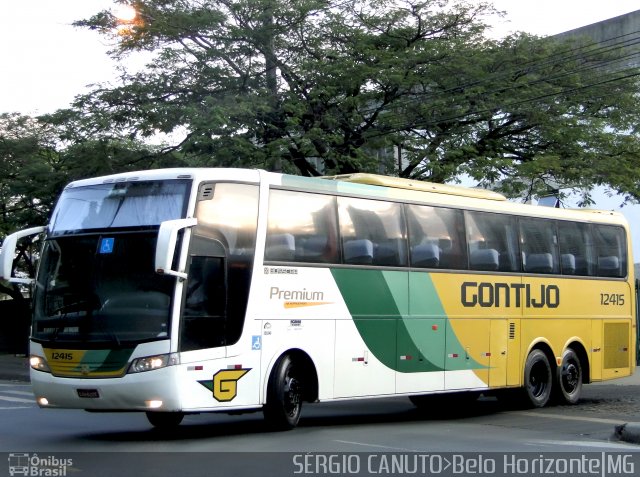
[46,62]
[549,17]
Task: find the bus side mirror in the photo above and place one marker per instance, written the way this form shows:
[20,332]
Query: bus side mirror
[9,251]
[165,248]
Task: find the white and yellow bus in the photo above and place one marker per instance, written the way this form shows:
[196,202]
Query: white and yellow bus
[185,291]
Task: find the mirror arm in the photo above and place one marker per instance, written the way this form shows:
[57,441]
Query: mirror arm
[9,251]
[165,247]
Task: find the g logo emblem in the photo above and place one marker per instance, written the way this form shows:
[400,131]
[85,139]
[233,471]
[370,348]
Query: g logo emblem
[225,383]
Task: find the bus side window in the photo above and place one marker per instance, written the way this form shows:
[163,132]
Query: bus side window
[374,222]
[539,244]
[227,215]
[575,255]
[610,250]
[492,237]
[436,237]
[301,228]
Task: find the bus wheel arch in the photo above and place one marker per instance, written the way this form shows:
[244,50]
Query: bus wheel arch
[581,350]
[292,380]
[539,375]
[571,374]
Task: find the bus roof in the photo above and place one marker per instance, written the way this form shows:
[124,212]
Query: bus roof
[474,198]
[450,194]
[195,173]
[401,183]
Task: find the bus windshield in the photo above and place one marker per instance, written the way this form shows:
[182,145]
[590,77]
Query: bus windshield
[101,290]
[97,283]
[121,204]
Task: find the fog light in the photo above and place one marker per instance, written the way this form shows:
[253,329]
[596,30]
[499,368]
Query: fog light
[153,404]
[43,401]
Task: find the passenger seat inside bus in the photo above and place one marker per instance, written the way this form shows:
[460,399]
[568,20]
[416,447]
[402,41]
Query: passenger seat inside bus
[609,266]
[484,259]
[280,247]
[358,252]
[313,249]
[391,253]
[568,261]
[539,263]
[425,255]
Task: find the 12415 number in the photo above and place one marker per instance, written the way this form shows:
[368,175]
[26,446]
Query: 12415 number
[612,299]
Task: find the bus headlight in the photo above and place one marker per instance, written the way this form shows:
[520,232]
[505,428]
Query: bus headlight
[39,363]
[150,363]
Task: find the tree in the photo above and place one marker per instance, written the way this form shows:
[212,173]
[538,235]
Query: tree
[29,179]
[275,83]
[39,156]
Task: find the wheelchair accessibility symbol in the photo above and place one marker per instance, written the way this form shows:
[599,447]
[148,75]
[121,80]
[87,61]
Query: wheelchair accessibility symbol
[256,343]
[106,246]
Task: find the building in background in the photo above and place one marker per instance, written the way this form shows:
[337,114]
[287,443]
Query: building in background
[618,33]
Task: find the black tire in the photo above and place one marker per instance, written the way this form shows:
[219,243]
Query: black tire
[284,395]
[165,420]
[538,379]
[569,378]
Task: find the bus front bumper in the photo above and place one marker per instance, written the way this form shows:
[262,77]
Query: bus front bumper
[148,391]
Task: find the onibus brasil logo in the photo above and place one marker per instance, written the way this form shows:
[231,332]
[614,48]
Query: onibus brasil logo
[35,465]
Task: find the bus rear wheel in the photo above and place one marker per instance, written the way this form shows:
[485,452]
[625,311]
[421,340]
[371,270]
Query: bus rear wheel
[165,420]
[538,379]
[284,395]
[569,378]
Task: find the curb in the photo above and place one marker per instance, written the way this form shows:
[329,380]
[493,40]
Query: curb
[627,432]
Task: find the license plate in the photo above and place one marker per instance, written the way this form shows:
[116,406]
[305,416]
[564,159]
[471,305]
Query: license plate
[88,393]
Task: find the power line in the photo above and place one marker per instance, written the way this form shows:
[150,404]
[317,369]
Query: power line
[512,72]
[628,42]
[401,127]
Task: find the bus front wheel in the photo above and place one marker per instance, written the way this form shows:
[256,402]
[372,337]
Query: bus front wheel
[569,378]
[165,420]
[284,395]
[538,378]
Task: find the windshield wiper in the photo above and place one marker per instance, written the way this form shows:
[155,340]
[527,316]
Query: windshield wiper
[63,318]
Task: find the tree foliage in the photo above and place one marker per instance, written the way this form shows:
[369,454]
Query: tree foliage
[335,86]
[39,156]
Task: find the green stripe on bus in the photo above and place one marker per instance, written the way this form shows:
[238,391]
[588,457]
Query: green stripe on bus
[105,360]
[116,359]
[406,336]
[374,309]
